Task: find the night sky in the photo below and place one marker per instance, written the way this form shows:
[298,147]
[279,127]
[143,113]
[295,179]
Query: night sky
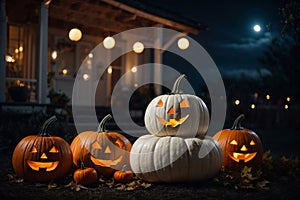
[231,41]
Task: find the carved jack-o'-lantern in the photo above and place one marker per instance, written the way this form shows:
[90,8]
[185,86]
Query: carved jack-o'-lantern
[166,114]
[42,157]
[102,150]
[241,147]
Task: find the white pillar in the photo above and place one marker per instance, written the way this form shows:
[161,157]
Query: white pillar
[43,57]
[157,72]
[3,27]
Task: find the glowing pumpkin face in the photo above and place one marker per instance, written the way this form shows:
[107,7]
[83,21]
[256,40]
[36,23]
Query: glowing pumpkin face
[240,146]
[104,151]
[177,114]
[43,162]
[107,151]
[42,157]
[242,154]
[174,118]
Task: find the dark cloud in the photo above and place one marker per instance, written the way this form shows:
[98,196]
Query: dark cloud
[250,43]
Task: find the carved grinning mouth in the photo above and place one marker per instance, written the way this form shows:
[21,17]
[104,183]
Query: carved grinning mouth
[106,163]
[242,156]
[40,166]
[172,122]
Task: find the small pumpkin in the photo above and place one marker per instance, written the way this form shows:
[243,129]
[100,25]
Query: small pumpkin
[123,176]
[102,150]
[85,175]
[175,159]
[241,147]
[177,114]
[42,157]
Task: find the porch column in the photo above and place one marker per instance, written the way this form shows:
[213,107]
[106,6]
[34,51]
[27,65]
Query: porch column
[43,56]
[3,27]
[157,72]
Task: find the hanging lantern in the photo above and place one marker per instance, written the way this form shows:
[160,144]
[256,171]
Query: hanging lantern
[75,34]
[109,42]
[138,47]
[183,43]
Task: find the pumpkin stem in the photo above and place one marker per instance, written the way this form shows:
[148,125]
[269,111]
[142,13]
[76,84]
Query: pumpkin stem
[46,124]
[124,168]
[82,165]
[237,122]
[175,89]
[101,127]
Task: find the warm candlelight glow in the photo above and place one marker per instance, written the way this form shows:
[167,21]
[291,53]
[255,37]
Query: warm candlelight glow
[64,71]
[134,69]
[54,55]
[109,70]
[86,77]
[237,102]
[9,59]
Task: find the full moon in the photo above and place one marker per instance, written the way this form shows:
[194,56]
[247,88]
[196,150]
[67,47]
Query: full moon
[257,28]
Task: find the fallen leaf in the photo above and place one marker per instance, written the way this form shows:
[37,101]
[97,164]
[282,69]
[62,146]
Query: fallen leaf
[52,185]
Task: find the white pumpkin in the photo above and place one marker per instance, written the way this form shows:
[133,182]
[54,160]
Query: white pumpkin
[177,114]
[174,159]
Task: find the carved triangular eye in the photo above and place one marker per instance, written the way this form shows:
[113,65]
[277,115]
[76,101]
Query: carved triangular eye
[160,103]
[96,145]
[171,111]
[107,150]
[33,150]
[252,142]
[53,150]
[184,104]
[233,142]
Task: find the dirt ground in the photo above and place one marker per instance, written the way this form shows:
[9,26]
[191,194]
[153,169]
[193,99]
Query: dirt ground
[282,182]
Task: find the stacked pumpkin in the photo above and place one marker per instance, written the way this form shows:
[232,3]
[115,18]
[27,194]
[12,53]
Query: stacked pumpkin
[177,149]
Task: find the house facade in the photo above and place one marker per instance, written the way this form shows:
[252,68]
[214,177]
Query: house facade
[31,77]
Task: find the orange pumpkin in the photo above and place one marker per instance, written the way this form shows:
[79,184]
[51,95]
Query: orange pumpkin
[241,147]
[85,176]
[101,150]
[123,176]
[42,157]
